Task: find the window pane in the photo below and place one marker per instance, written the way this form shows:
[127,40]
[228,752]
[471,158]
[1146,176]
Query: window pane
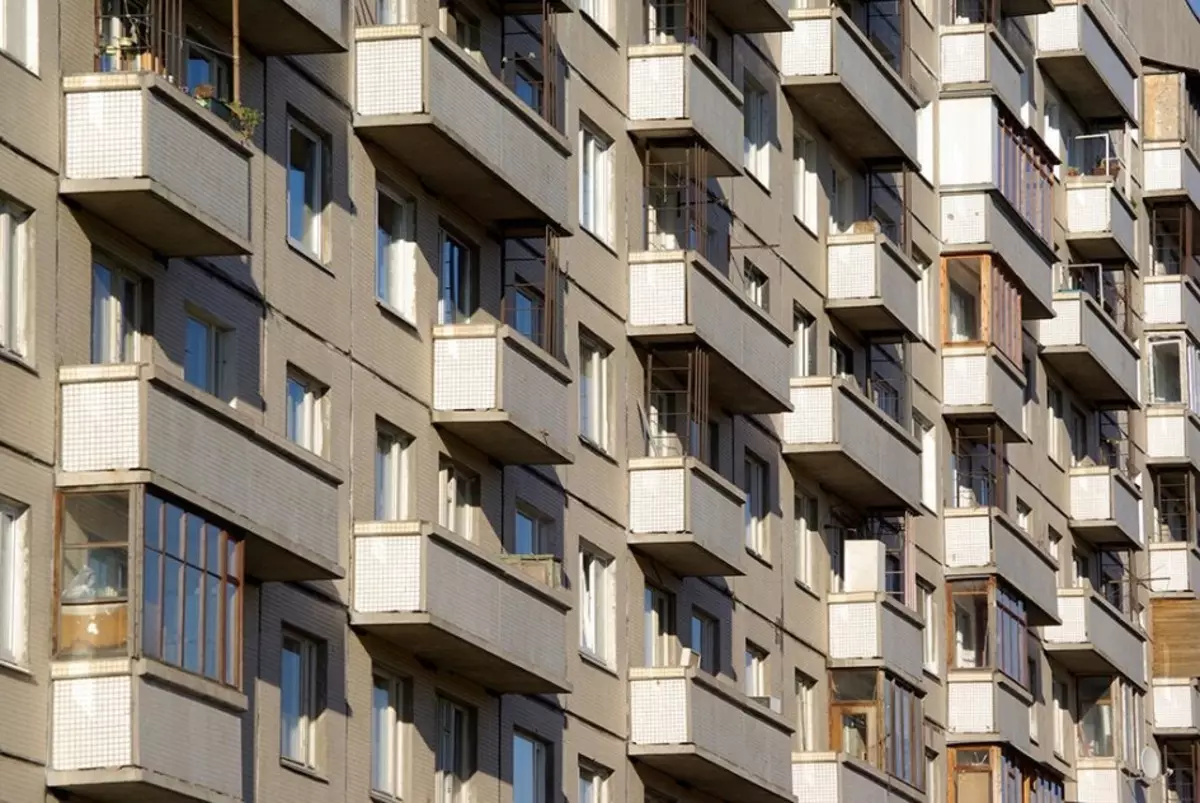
[192,618]
[152,604]
[302,188]
[381,733]
[232,633]
[172,610]
[212,626]
[291,675]
[197,360]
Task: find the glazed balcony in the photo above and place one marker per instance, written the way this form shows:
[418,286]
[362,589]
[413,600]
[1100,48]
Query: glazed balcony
[685,516]
[1076,50]
[498,391]
[986,706]
[1090,349]
[1095,638]
[146,158]
[499,620]
[286,27]
[1105,507]
[873,286]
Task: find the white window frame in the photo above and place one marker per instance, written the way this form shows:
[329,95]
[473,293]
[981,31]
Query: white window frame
[396,262]
[595,182]
[454,751]
[706,648]
[841,198]
[456,285]
[216,355]
[933,623]
[539,773]
[392,473]
[459,492]
[658,626]
[929,461]
[1061,709]
[14,584]
[597,778]
[925,142]
[19,31]
[807,526]
[14,275]
[1056,435]
[805,348]
[595,604]
[110,314]
[389,736]
[925,305]
[755,679]
[757,488]
[599,12]
[305,423]
[756,134]
[807,181]
[302,748]
[594,392]
[806,696]
[316,230]
[756,285]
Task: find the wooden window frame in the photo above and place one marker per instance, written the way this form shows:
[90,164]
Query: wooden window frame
[998,307]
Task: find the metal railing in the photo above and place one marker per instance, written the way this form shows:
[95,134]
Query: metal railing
[141,35]
[1175,520]
[675,418]
[680,213]
[891,530]
[1109,287]
[531,299]
[978,472]
[1100,156]
[676,22]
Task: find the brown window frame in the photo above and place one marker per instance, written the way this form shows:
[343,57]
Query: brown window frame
[998,307]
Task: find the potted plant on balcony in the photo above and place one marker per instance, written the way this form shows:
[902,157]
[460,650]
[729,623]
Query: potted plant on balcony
[204,94]
[244,119]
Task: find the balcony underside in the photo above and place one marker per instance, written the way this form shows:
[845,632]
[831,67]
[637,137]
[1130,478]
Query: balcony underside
[1087,376]
[275,27]
[130,785]
[867,315]
[147,211]
[1096,246]
[452,170]
[1023,8]
[1080,82]
[1081,659]
[682,554]
[496,433]
[1103,532]
[436,641]
[671,140]
[701,769]
[842,116]
[843,476]
[984,415]
[750,16]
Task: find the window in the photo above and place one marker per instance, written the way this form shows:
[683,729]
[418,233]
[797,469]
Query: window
[526,314]
[969,317]
[878,719]
[459,502]
[527,85]
[841,358]
[841,199]
[1012,632]
[595,181]
[595,593]
[391,12]
[1166,370]
[600,12]
[1033,658]
[209,75]
[305,412]
[756,507]
[1061,712]
[593,783]
[1024,515]
[807,525]
[14,257]
[807,185]
[14,571]
[532,533]
[532,777]
[890,529]
[806,709]
[933,623]
[300,682]
[1055,432]
[1053,543]
[396,252]
[205,355]
[704,641]
[191,592]
[757,130]
[94,575]
[463,28]
[1078,434]
[391,474]
[755,680]
[19,31]
[593,391]
[929,461]
[969,602]
[658,626]
[925,302]
[1029,399]
[458,281]
[925,149]
[1096,717]
[306,189]
[389,721]
[1024,175]
[804,347]
[116,314]
[755,286]
[903,724]
[455,751]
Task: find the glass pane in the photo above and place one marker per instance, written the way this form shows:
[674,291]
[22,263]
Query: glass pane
[523,770]
[290,693]
[193,617]
[195,541]
[232,569]
[152,605]
[212,626]
[153,522]
[381,736]
[94,575]
[212,540]
[174,531]
[301,159]
[172,610]
[101,316]
[196,359]
[93,630]
[854,686]
[232,634]
[1165,365]
[295,412]
[386,225]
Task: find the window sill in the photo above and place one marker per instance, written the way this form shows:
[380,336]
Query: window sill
[761,558]
[596,662]
[198,686]
[300,769]
[607,246]
[599,450]
[17,671]
[754,177]
[383,797]
[808,589]
[299,249]
[811,230]
[396,315]
[600,29]
[19,361]
[10,57]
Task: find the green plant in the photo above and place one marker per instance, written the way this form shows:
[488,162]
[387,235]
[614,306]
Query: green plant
[244,119]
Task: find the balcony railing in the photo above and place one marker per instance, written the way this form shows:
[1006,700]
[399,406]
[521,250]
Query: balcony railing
[1100,156]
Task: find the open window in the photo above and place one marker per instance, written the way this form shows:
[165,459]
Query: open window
[1174,371]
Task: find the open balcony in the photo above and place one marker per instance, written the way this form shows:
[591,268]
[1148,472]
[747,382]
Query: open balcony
[466,135]
[1105,507]
[1109,781]
[124,730]
[981,385]
[678,299]
[976,57]
[872,628]
[838,76]
[685,516]
[1096,638]
[1174,568]
[1176,705]
[498,391]
[983,540]
[1075,48]
[1171,302]
[839,778]
[146,158]
[703,730]
[135,422]
[1090,340]
[1100,219]
[987,706]
[855,445]
[286,27]
[1171,173]
[677,94]
[1172,437]
[499,620]
[873,286]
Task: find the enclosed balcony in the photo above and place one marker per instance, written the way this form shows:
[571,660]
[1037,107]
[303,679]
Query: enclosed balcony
[1172,424]
[701,729]
[1172,437]
[1091,342]
[1171,302]
[467,136]
[495,389]
[987,706]
[499,620]
[1107,780]
[142,423]
[1176,706]
[685,516]
[677,95]
[1174,533]
[854,443]
[848,82]
[286,27]
[1171,139]
[840,778]
[1100,219]
[1076,49]
[1105,507]
[1096,638]
[976,56]
[143,156]
[1171,173]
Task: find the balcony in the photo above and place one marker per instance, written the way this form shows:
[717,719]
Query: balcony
[286,27]
[1174,568]
[459,128]
[986,706]
[1170,173]
[1172,437]
[142,423]
[702,730]
[499,620]
[1171,303]
[977,57]
[685,516]
[501,393]
[836,75]
[123,730]
[1075,49]
[134,147]
[1100,222]
[1087,347]
[1176,706]
[872,628]
[1095,638]
[1105,507]
[984,540]
[859,452]
[872,284]
[1108,782]
[839,778]
[981,385]
[678,298]
[676,93]
[751,16]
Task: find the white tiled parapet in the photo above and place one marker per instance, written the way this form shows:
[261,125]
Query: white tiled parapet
[1095,638]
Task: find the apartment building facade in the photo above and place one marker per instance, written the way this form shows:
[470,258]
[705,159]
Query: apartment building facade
[515,401]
